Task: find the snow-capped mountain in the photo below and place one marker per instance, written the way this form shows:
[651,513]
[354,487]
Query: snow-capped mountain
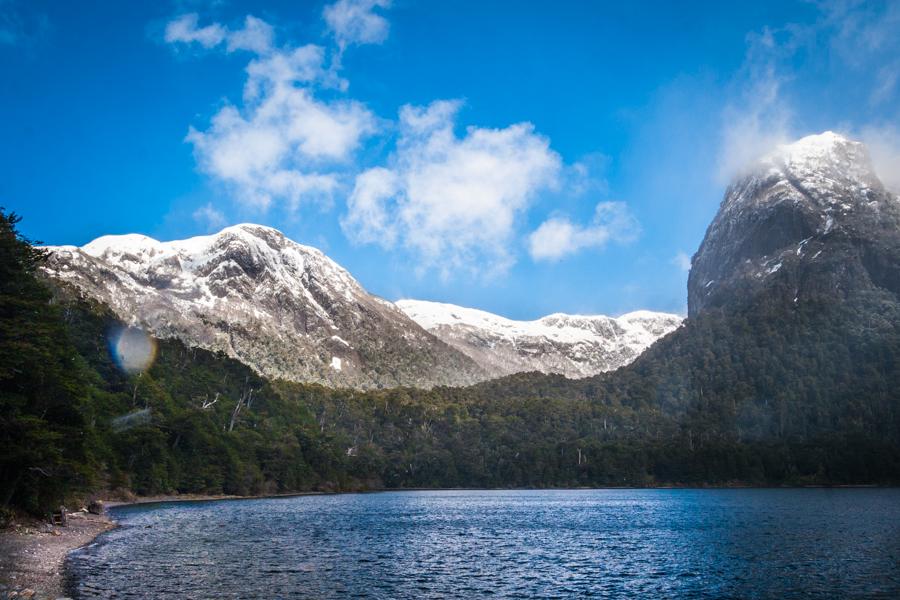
[572,345]
[810,220]
[283,308]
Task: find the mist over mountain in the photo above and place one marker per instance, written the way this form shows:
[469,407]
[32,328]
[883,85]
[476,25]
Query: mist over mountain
[793,333]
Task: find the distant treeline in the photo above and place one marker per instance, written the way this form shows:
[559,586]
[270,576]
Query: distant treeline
[808,394]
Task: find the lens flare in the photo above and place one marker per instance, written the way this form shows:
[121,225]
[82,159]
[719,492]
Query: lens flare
[133,350]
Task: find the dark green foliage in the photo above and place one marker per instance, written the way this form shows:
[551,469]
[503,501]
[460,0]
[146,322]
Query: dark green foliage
[770,393]
[196,422]
[44,444]
[803,393]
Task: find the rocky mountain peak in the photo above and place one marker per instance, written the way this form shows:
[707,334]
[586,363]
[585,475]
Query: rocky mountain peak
[283,308]
[822,168]
[795,207]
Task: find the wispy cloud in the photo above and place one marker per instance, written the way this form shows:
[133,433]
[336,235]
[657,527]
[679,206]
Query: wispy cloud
[883,142]
[21,28]
[185,30]
[255,36]
[209,217]
[856,37]
[863,35]
[558,237]
[758,117]
[356,22]
[290,67]
[452,201]
[11,27]
[682,260]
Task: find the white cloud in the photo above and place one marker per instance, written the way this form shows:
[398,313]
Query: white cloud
[587,175]
[209,217]
[303,65]
[184,30]
[255,36]
[355,22]
[860,29]
[682,260]
[284,143]
[367,215]
[558,237]
[452,202]
[754,128]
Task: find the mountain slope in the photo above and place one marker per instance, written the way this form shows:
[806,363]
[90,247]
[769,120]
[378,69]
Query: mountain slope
[285,309]
[793,333]
[571,345]
[788,366]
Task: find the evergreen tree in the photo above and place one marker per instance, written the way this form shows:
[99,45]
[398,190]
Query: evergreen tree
[43,450]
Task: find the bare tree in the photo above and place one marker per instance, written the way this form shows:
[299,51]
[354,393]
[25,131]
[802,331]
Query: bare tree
[245,399]
[208,403]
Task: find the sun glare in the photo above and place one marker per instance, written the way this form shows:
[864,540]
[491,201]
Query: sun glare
[133,349]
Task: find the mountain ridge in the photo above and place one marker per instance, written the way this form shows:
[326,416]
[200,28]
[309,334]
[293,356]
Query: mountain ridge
[285,309]
[572,345]
[291,312]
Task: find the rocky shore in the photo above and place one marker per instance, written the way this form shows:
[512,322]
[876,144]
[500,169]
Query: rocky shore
[33,554]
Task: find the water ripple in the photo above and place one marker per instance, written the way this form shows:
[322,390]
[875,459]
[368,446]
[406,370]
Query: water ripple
[505,544]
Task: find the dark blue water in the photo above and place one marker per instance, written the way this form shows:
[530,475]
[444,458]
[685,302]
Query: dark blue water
[508,544]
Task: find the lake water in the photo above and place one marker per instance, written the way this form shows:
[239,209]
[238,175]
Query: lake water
[780,543]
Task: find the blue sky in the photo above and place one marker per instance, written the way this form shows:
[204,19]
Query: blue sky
[520,157]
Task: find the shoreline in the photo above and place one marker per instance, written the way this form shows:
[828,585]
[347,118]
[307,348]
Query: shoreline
[165,498]
[33,556]
[171,498]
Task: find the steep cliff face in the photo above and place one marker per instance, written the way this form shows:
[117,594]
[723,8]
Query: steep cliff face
[283,308]
[793,331]
[571,345]
[810,220]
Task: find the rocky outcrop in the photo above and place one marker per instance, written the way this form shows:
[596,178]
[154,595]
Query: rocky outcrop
[811,220]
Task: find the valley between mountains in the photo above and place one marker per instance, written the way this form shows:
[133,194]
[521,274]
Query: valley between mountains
[275,371]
